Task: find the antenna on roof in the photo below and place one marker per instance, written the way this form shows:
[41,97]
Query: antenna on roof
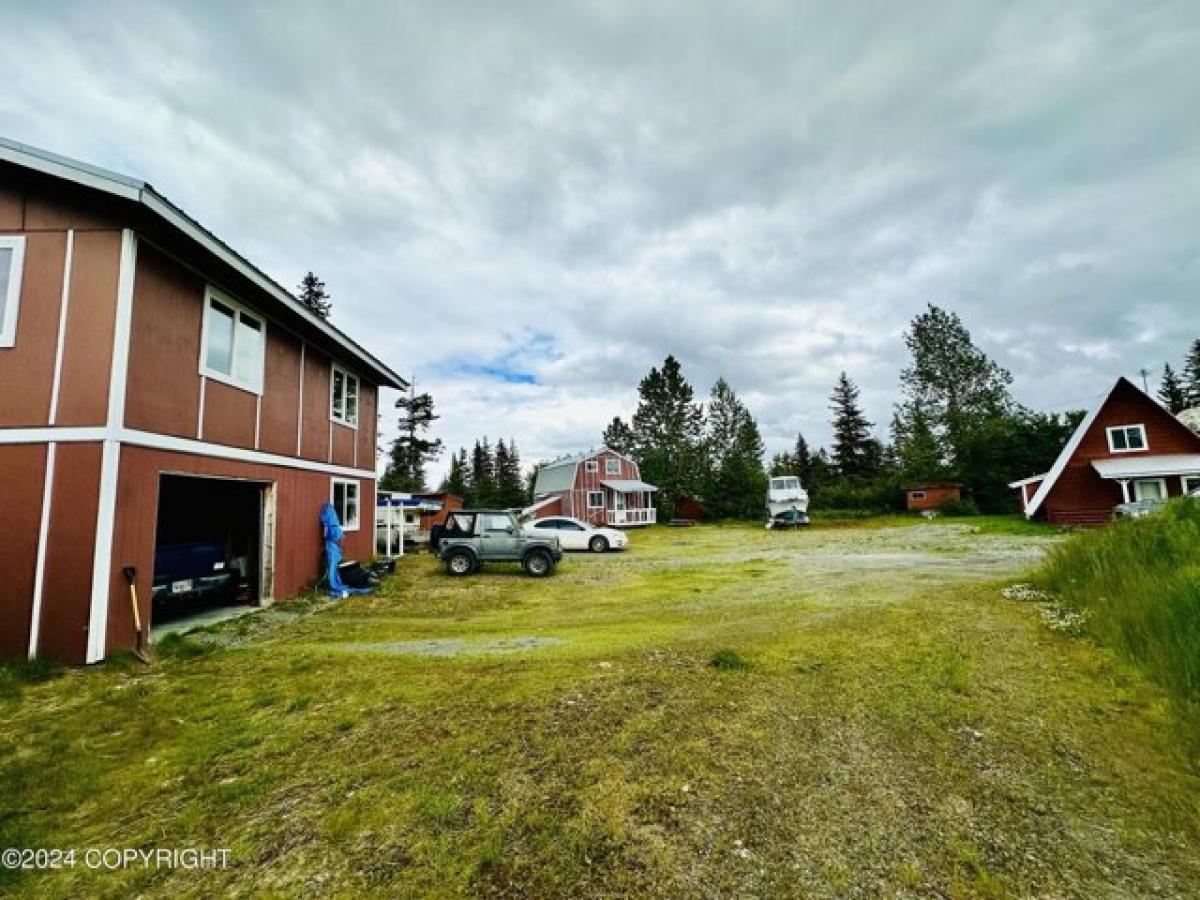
[1144,372]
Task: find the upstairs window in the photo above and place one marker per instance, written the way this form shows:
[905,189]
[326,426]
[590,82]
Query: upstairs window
[612,466]
[1127,438]
[343,401]
[234,343]
[591,466]
[12,260]
[345,503]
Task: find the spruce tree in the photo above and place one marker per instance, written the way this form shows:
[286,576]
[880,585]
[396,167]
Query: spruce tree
[411,451]
[619,436]
[311,292]
[1191,374]
[481,475]
[457,480]
[1171,392]
[734,483]
[851,431]
[510,489]
[668,434]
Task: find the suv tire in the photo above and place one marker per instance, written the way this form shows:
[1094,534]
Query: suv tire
[598,544]
[460,563]
[538,563]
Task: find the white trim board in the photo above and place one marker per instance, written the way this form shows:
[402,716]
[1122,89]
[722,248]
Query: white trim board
[61,343]
[67,435]
[39,572]
[110,460]
[136,438]
[236,454]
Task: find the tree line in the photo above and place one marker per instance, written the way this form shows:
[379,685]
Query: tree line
[956,421]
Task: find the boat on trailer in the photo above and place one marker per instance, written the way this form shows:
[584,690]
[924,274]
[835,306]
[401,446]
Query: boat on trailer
[787,502]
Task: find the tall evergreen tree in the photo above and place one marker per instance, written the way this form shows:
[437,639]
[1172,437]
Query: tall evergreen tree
[482,474]
[1171,392]
[411,450]
[619,436]
[1191,374]
[802,459]
[734,483]
[668,434]
[852,453]
[311,292]
[510,489]
[457,480]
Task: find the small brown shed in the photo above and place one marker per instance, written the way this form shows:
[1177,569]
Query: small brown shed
[921,497]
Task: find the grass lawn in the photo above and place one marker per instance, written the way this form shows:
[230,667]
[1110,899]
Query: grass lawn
[883,722]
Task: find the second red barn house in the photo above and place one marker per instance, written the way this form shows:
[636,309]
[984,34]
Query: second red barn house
[1126,449]
[602,487]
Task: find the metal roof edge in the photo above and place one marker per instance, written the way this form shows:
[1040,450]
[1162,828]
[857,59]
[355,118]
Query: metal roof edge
[141,192]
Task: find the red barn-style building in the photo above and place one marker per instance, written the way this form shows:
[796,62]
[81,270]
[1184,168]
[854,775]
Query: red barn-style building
[167,407]
[1127,448]
[602,487]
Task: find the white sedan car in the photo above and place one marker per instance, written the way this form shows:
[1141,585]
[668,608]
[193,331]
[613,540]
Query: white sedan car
[573,534]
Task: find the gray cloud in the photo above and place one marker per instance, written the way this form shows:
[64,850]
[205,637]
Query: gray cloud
[768,190]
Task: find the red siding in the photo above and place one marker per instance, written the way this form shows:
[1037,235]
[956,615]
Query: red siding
[163,387]
[933,497]
[22,467]
[281,402]
[586,482]
[299,496]
[27,369]
[70,550]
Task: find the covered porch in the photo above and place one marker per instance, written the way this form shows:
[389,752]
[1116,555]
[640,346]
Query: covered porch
[628,502]
[1152,478]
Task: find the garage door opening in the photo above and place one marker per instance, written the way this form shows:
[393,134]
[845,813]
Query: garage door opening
[212,552]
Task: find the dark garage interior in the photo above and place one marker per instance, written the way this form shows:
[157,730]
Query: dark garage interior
[207,546]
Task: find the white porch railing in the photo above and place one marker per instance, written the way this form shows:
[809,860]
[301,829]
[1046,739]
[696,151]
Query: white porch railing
[632,516]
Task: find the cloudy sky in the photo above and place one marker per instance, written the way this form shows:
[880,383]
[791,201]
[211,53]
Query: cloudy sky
[528,205]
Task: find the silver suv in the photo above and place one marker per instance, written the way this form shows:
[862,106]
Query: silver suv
[472,537]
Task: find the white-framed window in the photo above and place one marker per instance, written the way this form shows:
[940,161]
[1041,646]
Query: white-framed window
[595,499]
[1190,483]
[344,495]
[612,466]
[12,264]
[1150,489]
[917,495]
[1127,438]
[591,466]
[234,342]
[343,397]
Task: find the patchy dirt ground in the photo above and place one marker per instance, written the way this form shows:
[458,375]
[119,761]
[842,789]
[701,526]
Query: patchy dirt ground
[900,728]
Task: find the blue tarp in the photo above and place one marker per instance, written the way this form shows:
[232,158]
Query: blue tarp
[331,530]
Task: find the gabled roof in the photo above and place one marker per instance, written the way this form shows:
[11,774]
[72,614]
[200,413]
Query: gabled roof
[559,474]
[161,209]
[1072,445]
